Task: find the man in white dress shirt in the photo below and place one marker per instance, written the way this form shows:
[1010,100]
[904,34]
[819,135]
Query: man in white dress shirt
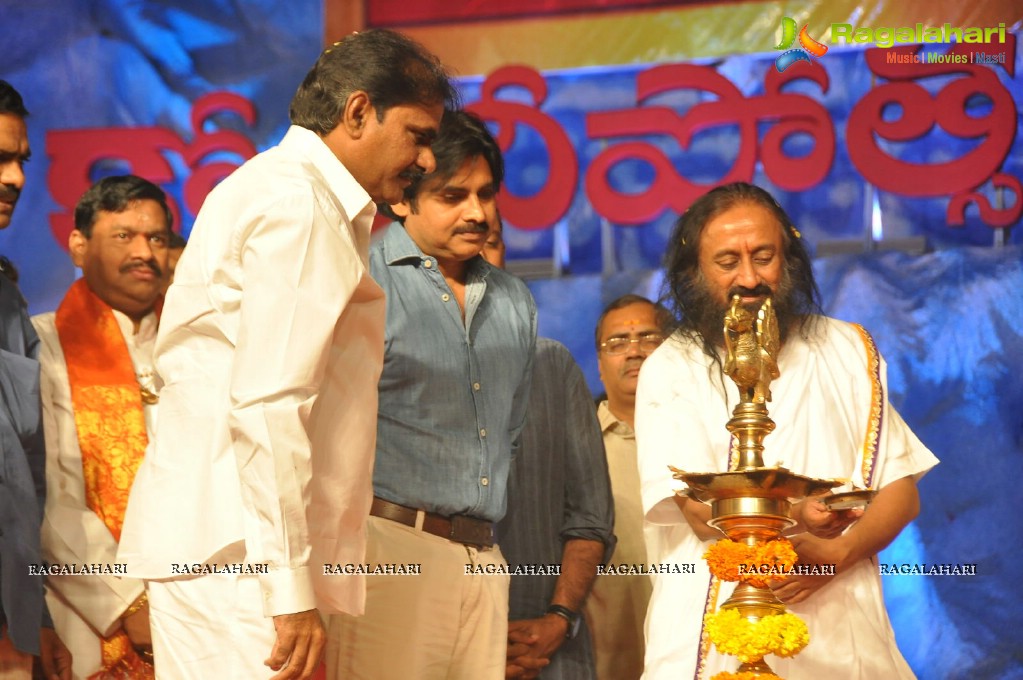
[833,420]
[270,349]
[97,369]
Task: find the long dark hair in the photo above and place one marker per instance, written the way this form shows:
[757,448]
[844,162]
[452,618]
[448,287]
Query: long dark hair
[11,102]
[462,136]
[684,284]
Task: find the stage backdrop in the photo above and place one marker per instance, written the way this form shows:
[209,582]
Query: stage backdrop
[178,92]
[613,121]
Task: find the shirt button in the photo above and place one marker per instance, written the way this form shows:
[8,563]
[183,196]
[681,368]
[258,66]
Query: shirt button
[485,482]
[476,386]
[428,264]
[483,432]
[445,297]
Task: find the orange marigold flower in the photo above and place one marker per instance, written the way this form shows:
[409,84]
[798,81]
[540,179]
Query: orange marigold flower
[725,557]
[757,565]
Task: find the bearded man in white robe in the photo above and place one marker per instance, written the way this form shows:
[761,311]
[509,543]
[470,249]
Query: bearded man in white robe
[833,419]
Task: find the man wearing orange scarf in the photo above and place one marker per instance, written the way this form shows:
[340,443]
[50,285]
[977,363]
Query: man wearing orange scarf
[99,407]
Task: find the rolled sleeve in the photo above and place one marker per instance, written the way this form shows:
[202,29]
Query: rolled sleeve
[589,509]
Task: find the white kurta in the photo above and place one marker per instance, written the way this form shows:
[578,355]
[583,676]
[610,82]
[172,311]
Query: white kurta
[83,607]
[270,347]
[822,408]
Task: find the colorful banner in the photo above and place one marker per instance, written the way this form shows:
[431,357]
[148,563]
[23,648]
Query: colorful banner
[668,32]
[401,14]
[601,160]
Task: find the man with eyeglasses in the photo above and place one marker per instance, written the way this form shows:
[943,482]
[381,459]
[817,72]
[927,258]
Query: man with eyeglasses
[629,329]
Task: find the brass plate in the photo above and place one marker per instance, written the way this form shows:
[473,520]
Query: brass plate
[849,500]
[773,482]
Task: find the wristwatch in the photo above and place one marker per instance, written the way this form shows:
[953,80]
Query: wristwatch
[573,618]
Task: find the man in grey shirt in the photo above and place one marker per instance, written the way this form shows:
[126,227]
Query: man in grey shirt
[458,351]
[558,527]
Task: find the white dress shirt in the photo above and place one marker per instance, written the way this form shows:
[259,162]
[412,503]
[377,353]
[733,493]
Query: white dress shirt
[270,348]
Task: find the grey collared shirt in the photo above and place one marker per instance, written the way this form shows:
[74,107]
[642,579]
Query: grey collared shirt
[559,490]
[452,393]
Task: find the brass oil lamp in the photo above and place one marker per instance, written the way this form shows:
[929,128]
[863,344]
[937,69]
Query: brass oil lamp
[752,503]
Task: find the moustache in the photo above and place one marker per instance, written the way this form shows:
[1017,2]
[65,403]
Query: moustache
[152,266]
[760,291]
[8,193]
[475,228]
[413,174]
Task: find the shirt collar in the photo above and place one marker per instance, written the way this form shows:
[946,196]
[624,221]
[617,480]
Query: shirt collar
[398,246]
[609,423]
[147,326]
[354,199]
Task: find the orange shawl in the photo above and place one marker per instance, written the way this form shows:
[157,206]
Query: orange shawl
[109,416]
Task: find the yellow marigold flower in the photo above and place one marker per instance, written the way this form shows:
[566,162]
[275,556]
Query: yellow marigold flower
[733,634]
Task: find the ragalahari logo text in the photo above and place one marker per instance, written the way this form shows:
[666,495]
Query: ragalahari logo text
[807,45]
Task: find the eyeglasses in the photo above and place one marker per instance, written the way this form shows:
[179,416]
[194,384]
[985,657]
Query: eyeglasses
[648,342]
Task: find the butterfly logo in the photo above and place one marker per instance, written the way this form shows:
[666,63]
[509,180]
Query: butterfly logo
[807,45]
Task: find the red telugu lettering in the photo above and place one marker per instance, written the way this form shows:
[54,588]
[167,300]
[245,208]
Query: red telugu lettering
[920,111]
[550,204]
[75,153]
[793,113]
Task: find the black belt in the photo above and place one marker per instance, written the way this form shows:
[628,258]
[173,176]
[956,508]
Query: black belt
[458,528]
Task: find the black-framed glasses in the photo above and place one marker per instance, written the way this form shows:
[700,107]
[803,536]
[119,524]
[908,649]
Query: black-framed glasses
[647,342]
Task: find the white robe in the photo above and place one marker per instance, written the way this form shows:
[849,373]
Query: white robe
[822,405]
[83,607]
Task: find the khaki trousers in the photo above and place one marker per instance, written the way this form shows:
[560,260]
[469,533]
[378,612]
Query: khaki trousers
[442,624]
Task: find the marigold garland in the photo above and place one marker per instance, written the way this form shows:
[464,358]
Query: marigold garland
[733,561]
[745,675]
[733,634]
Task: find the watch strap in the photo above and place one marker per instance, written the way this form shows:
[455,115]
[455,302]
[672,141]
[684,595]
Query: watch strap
[567,614]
